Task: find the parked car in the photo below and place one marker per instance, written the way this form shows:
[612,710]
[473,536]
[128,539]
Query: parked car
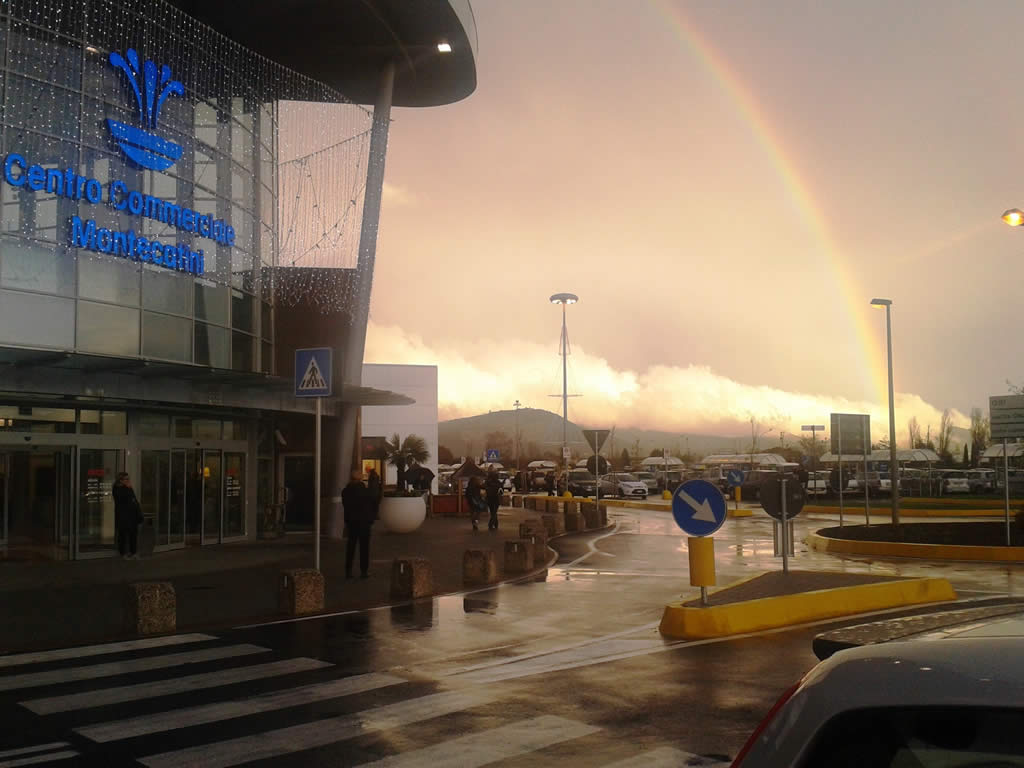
[954,481]
[750,490]
[626,485]
[648,479]
[952,698]
[581,483]
[817,484]
[981,480]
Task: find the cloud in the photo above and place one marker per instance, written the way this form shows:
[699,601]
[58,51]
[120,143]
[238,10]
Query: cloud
[397,196]
[484,375]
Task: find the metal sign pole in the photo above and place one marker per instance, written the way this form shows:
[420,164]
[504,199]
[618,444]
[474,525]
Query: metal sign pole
[839,429]
[1006,490]
[785,531]
[867,504]
[316,490]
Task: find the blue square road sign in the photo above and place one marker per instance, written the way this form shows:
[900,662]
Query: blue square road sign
[313,369]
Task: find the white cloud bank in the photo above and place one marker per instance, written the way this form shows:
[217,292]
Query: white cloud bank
[489,375]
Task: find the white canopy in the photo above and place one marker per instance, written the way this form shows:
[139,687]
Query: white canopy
[541,465]
[915,456]
[658,461]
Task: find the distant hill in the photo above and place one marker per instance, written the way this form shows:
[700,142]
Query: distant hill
[542,434]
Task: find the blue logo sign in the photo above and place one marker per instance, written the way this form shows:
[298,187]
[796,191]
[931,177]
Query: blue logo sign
[313,372]
[698,507]
[734,477]
[493,454]
[152,86]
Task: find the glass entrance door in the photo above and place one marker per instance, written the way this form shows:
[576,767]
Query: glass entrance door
[97,473]
[212,496]
[163,495]
[3,502]
[37,503]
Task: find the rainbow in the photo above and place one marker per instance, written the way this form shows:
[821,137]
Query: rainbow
[874,365]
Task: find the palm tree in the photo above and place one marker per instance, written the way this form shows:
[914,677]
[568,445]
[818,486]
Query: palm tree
[402,454]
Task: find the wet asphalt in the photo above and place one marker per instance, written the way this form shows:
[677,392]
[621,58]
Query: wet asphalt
[570,670]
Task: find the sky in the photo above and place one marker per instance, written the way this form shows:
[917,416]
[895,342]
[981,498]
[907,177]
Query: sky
[726,186]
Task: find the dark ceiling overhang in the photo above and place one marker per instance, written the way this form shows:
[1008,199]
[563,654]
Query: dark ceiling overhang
[345,44]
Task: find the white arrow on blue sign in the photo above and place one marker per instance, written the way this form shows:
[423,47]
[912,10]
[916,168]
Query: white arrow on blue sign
[734,477]
[698,507]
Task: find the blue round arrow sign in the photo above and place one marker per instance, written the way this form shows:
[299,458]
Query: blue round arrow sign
[698,507]
[734,477]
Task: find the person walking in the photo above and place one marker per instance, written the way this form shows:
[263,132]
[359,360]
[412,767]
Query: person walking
[376,489]
[475,501]
[127,517]
[492,486]
[359,517]
[549,483]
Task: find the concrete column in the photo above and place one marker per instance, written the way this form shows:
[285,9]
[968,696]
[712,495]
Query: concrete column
[352,356]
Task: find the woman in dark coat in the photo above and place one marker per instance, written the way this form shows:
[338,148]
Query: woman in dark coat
[476,502]
[127,517]
[493,488]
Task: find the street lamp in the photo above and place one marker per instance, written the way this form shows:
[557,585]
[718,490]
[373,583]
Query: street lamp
[894,471]
[1014,217]
[517,405]
[565,299]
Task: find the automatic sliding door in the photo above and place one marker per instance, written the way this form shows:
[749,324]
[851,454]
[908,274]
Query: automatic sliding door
[176,511]
[97,472]
[234,494]
[212,496]
[3,500]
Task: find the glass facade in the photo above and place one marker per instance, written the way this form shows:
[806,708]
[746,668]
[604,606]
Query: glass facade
[59,94]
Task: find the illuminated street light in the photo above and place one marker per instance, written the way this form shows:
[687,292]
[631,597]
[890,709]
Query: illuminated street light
[894,472]
[565,299]
[1014,217]
[444,47]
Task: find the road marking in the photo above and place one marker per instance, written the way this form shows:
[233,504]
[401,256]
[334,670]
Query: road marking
[319,733]
[120,694]
[666,757]
[98,650]
[204,714]
[593,549]
[48,757]
[486,747]
[30,750]
[74,674]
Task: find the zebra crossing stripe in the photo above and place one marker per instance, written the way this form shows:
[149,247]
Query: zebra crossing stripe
[486,747]
[318,733]
[121,694]
[62,654]
[667,757]
[31,755]
[228,710]
[49,757]
[35,748]
[94,671]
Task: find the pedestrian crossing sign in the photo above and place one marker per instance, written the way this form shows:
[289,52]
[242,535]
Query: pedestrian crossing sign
[313,372]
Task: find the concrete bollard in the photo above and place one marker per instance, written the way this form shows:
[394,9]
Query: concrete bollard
[554,525]
[151,608]
[591,516]
[573,522]
[539,542]
[604,515]
[506,500]
[479,566]
[301,591]
[518,557]
[517,502]
[411,578]
[529,502]
[554,506]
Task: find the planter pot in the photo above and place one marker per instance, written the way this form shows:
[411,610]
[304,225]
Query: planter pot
[403,514]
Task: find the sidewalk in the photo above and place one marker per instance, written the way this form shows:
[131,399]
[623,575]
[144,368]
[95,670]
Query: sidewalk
[65,603]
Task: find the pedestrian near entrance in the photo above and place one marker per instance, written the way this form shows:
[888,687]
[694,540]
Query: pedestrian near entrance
[549,483]
[359,516]
[127,517]
[493,488]
[476,503]
[376,489]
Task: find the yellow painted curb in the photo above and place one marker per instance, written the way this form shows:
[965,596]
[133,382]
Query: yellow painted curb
[904,512]
[785,610]
[740,513]
[920,551]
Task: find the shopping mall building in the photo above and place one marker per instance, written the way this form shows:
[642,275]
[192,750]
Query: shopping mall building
[160,163]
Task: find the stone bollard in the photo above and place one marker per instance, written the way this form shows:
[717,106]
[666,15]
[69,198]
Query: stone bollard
[554,506]
[529,502]
[517,501]
[584,510]
[479,566]
[302,591]
[554,525]
[604,515]
[539,542]
[591,515]
[151,608]
[573,522]
[528,527]
[411,578]
[506,500]
[518,557]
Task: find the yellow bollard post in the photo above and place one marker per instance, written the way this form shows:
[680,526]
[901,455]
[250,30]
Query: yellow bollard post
[702,563]
[666,495]
[567,495]
[739,494]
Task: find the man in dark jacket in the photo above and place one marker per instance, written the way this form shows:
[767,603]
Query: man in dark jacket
[359,516]
[127,517]
[492,487]
[376,490]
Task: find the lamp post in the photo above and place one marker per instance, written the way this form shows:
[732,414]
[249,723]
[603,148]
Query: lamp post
[894,470]
[517,405]
[565,299]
